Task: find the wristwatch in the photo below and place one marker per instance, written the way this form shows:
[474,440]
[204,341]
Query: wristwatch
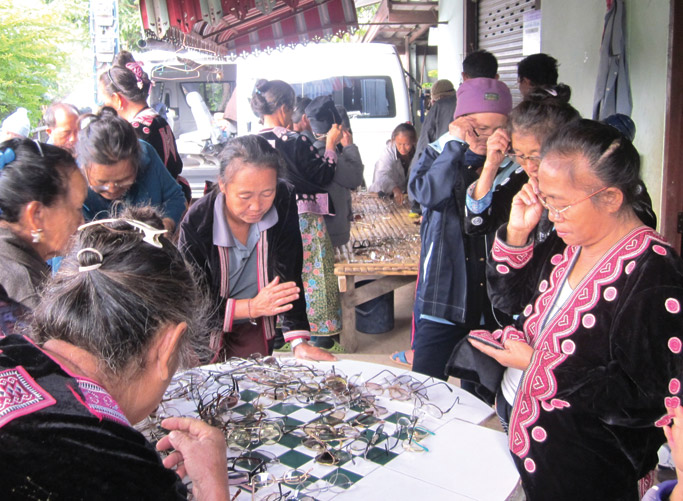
[297,342]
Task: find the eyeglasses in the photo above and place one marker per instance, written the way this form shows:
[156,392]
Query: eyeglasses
[534,159]
[151,234]
[102,188]
[557,211]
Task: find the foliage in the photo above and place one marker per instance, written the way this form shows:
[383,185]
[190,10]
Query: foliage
[365,15]
[29,57]
[130,24]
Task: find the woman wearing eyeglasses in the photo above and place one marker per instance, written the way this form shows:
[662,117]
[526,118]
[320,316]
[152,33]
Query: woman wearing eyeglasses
[114,325]
[41,197]
[599,339]
[244,238]
[119,167]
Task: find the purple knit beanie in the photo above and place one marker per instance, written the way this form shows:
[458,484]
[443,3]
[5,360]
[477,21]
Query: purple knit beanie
[483,95]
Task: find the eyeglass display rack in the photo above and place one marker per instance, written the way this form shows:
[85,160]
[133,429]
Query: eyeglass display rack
[385,246]
[458,459]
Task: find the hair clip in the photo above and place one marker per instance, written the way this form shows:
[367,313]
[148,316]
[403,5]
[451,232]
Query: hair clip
[90,267]
[40,148]
[552,92]
[151,234]
[136,68]
[6,157]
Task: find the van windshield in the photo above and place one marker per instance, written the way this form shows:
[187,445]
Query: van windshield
[363,97]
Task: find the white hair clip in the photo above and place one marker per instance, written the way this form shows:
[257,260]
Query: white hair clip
[90,267]
[151,234]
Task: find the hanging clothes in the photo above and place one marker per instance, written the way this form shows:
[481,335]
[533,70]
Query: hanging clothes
[613,86]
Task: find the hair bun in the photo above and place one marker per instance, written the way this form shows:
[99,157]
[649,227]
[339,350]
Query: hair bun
[554,94]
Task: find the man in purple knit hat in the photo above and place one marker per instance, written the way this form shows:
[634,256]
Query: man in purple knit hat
[451,295]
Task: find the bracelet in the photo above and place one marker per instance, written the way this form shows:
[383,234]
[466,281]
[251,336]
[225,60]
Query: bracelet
[252,320]
[297,342]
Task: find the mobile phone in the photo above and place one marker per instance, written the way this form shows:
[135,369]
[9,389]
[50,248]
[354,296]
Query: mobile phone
[487,338]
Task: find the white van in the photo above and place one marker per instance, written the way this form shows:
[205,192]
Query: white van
[367,79]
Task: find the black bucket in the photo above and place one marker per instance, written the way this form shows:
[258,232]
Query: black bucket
[377,315]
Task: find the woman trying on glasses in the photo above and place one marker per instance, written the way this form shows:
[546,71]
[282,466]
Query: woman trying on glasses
[41,198]
[599,337]
[120,317]
[244,237]
[118,166]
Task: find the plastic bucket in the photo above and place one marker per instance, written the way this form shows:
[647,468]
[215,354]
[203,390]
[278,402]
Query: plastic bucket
[377,315]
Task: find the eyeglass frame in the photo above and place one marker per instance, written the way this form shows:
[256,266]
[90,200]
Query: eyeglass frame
[559,212]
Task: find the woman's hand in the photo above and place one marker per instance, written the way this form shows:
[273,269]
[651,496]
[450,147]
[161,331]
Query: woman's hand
[463,129]
[497,146]
[274,298]
[525,214]
[200,453]
[305,351]
[347,138]
[398,195]
[516,354]
[333,136]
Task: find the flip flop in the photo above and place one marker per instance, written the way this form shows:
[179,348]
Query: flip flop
[336,348]
[284,347]
[400,358]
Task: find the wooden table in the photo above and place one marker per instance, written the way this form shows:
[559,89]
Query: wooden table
[385,243]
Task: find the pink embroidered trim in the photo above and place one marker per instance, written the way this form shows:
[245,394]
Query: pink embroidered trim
[516,257]
[20,395]
[539,384]
[100,402]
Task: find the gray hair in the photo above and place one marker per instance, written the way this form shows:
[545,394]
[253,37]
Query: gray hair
[115,310]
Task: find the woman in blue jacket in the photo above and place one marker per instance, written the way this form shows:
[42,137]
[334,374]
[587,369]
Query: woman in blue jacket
[119,167]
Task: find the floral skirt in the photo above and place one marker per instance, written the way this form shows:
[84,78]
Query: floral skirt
[323,305]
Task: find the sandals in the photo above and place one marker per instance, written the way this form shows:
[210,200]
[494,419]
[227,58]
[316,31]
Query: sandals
[400,358]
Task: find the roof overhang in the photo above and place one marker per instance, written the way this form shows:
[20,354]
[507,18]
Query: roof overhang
[231,28]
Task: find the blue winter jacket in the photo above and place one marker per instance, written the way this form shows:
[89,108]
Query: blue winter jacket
[153,186]
[433,183]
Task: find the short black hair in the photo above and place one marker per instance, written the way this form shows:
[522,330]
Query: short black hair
[540,69]
[480,64]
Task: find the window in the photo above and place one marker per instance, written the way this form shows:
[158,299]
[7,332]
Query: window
[215,94]
[363,97]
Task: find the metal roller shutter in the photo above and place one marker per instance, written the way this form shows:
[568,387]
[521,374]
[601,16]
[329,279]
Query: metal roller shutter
[500,32]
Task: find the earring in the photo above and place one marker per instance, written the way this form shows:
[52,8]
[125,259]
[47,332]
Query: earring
[37,235]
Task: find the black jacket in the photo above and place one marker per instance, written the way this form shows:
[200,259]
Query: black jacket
[284,253]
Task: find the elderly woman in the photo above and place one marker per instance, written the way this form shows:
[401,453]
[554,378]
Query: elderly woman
[391,170]
[244,238]
[310,174]
[118,166]
[91,372]
[41,197]
[599,336]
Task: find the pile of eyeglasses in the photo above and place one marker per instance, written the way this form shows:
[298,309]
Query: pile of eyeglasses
[267,404]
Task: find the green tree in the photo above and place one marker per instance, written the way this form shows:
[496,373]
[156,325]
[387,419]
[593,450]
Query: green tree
[29,56]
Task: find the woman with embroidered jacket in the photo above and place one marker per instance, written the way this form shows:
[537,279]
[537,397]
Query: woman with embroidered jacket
[122,314]
[244,239]
[599,338]
[273,102]
[125,87]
